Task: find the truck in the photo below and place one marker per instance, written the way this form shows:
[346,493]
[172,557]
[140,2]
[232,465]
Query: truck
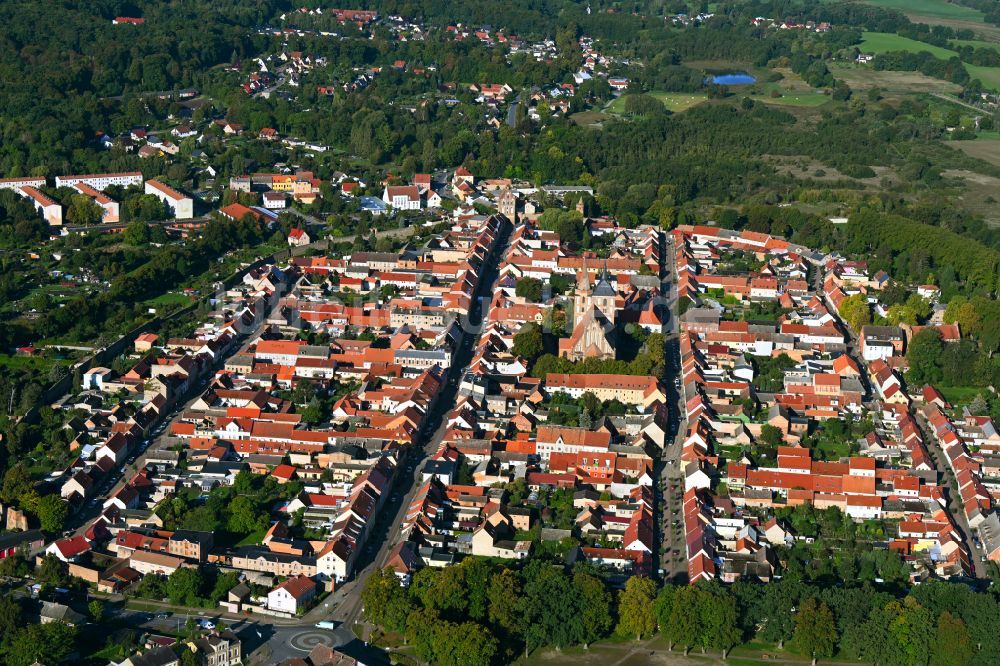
[326,624]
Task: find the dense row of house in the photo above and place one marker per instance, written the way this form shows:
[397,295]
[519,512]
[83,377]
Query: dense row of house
[892,478]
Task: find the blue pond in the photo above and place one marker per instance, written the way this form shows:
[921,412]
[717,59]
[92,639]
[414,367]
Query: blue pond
[731,79]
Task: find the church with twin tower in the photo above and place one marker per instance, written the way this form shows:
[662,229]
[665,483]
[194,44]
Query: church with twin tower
[594,317]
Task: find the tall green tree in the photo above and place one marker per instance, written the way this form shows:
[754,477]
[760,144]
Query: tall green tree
[595,606]
[636,615]
[815,630]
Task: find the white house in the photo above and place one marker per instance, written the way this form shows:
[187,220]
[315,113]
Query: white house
[100,181]
[181,206]
[292,595]
[94,378]
[402,197]
[275,200]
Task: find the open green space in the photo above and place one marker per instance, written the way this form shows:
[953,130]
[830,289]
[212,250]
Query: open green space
[941,9]
[675,102]
[884,42]
[806,99]
[989,76]
[975,43]
[864,77]
[959,395]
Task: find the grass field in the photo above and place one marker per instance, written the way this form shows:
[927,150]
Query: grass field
[675,102]
[863,77]
[989,76]
[883,42]
[804,99]
[986,149]
[975,43]
[959,395]
[940,9]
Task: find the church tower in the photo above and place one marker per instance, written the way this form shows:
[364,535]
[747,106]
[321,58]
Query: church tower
[583,296]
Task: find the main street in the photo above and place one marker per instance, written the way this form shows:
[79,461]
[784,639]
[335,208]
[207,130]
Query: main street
[344,605]
[672,556]
[160,438]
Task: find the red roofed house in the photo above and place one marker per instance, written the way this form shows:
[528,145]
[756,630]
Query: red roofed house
[292,595]
[298,238]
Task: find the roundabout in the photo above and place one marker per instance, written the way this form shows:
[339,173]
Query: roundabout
[307,640]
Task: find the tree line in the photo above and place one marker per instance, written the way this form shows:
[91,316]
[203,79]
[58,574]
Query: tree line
[484,612]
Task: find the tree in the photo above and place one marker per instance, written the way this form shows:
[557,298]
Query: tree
[11,616]
[188,658]
[503,595]
[16,484]
[477,573]
[924,355]
[963,312]
[771,435]
[441,589]
[551,608]
[386,603]
[662,608]
[635,608]
[52,513]
[953,645]
[50,570]
[530,289]
[595,606]
[50,643]
[466,644]
[815,630]
[136,233]
[855,312]
[82,210]
[720,624]
[420,627]
[96,610]
[684,626]
[184,585]
[244,518]
[529,343]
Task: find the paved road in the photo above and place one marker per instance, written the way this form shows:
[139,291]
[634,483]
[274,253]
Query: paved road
[947,478]
[671,476]
[347,600]
[123,473]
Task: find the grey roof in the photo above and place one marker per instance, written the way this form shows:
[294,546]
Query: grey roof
[161,656]
[15,539]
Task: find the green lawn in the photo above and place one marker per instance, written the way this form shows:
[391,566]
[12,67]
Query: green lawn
[989,76]
[794,99]
[169,300]
[959,395]
[975,43]
[675,102]
[884,42]
[931,8]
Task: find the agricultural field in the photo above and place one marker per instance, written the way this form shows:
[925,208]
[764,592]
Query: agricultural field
[986,149]
[979,194]
[883,42]
[863,77]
